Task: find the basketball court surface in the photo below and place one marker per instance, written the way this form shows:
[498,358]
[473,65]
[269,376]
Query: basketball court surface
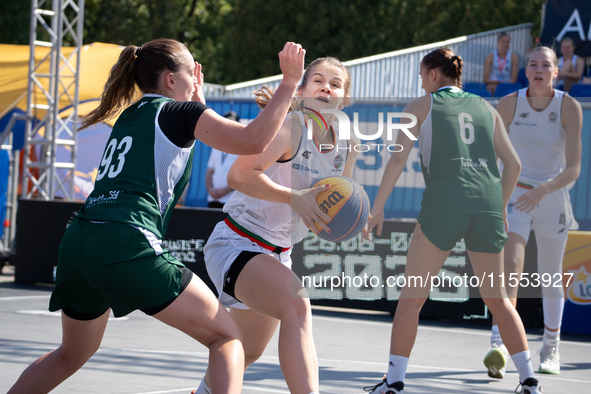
[140,355]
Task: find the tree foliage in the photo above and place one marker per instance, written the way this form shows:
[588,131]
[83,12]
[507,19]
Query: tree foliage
[15,20]
[351,29]
[238,40]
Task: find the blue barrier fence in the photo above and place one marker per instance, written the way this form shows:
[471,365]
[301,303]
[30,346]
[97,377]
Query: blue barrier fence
[405,201]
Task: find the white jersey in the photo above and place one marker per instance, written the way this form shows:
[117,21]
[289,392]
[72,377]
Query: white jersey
[220,162]
[561,64]
[500,69]
[539,139]
[277,223]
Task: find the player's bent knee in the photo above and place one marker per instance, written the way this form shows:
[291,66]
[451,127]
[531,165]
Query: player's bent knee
[250,357]
[74,360]
[497,304]
[297,308]
[229,331]
[412,302]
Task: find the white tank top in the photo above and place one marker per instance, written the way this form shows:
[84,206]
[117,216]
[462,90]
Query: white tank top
[500,69]
[277,223]
[561,64]
[539,139]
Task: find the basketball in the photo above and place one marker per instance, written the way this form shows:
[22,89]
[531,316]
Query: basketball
[347,204]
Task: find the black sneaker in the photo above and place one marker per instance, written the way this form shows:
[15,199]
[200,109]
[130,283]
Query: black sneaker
[529,386]
[385,388]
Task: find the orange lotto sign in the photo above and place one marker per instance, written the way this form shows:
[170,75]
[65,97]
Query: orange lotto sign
[576,267]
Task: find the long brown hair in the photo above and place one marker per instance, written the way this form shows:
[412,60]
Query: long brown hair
[450,64]
[264,95]
[137,66]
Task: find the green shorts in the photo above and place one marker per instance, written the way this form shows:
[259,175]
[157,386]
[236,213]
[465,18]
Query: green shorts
[112,265]
[484,234]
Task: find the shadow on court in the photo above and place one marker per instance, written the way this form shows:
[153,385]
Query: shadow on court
[141,355]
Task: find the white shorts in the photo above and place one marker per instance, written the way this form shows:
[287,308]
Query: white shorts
[552,217]
[222,248]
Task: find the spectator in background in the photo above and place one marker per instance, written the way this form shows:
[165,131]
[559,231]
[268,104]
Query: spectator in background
[501,65]
[218,191]
[570,66]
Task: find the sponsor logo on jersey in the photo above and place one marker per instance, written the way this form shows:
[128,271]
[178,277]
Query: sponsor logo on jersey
[524,115]
[510,207]
[331,200]
[562,219]
[338,162]
[552,116]
[139,106]
[111,199]
[525,124]
[467,162]
[307,154]
[301,167]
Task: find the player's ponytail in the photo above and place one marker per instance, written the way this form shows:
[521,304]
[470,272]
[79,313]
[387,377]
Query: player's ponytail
[450,64]
[137,66]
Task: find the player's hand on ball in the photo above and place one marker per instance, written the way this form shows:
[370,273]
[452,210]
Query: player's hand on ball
[303,202]
[366,233]
[376,218]
[291,61]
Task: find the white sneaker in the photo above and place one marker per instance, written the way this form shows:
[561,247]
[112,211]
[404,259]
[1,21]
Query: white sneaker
[385,388]
[549,360]
[496,360]
[530,386]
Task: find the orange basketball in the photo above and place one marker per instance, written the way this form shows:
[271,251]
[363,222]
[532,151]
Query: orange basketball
[347,204]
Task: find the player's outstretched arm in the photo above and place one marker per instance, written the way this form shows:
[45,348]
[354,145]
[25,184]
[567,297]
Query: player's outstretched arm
[232,137]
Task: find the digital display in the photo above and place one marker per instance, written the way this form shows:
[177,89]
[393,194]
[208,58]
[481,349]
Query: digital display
[370,274]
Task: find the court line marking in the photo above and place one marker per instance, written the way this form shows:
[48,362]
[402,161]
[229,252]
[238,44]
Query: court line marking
[45,312]
[248,387]
[18,298]
[452,330]
[354,321]
[323,360]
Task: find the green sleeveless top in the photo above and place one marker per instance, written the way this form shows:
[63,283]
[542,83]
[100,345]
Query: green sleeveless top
[458,158]
[141,174]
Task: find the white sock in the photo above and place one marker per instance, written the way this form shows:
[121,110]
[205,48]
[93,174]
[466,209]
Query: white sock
[551,338]
[396,369]
[203,388]
[522,362]
[496,335]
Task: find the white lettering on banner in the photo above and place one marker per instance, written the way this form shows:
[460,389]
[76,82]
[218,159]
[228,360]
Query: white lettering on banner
[184,250]
[576,25]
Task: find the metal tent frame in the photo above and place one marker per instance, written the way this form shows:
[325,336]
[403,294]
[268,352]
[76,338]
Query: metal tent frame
[43,177]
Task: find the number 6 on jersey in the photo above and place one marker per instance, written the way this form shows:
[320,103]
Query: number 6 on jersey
[468,139]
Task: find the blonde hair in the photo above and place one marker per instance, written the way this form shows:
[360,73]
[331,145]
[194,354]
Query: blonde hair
[544,49]
[264,95]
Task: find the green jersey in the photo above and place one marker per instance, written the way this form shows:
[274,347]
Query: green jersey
[141,174]
[458,158]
